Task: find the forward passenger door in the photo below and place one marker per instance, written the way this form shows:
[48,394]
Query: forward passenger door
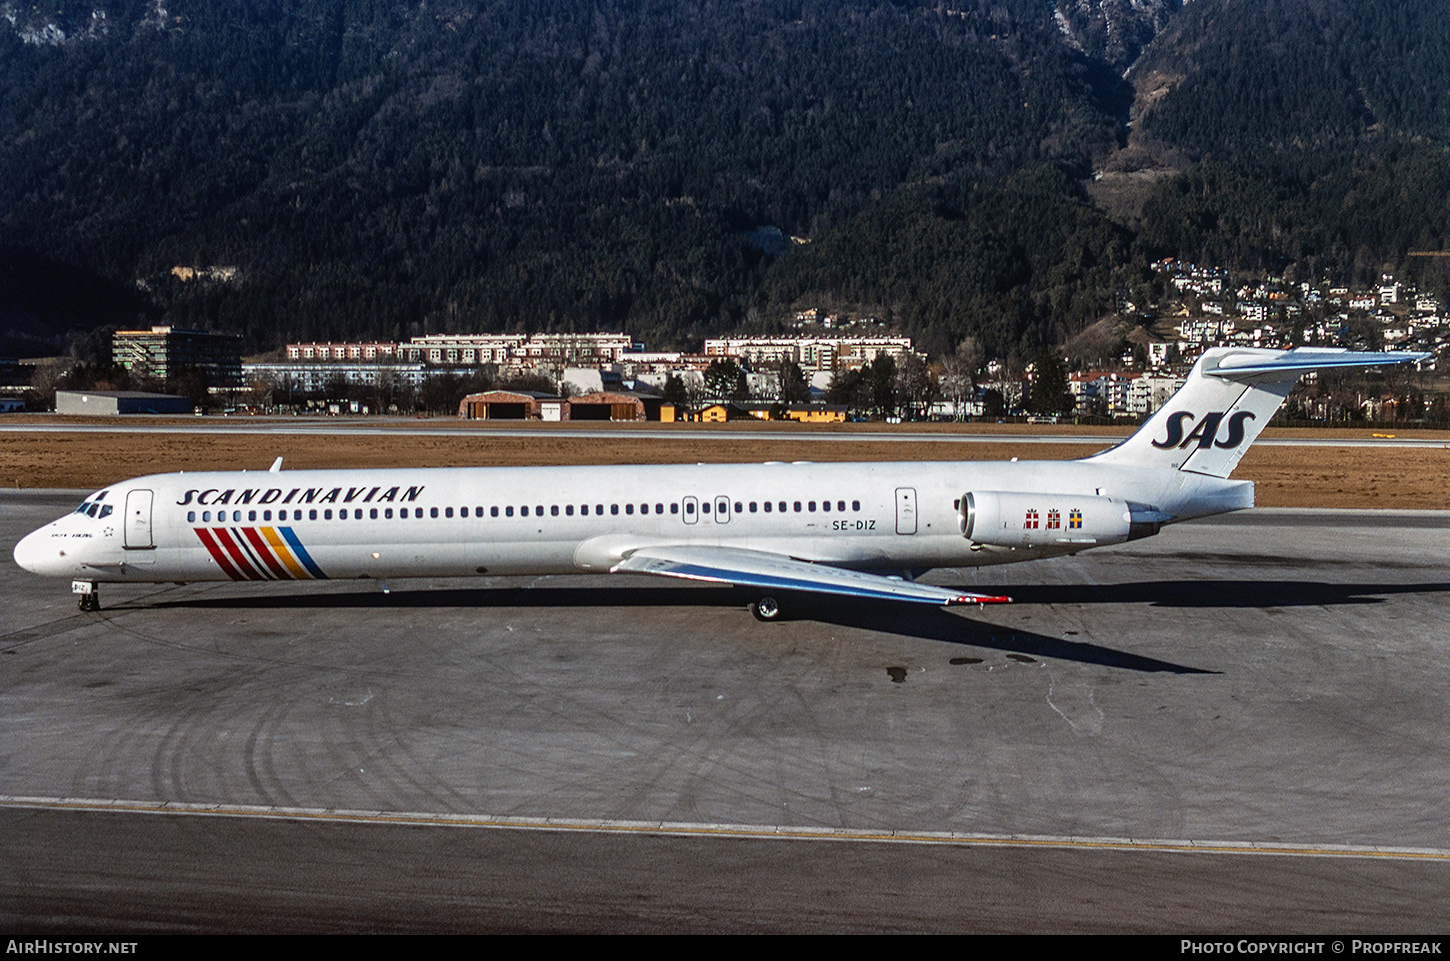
[136,527]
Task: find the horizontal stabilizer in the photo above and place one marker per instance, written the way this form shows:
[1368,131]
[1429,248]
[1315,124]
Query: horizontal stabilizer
[1253,368]
[759,569]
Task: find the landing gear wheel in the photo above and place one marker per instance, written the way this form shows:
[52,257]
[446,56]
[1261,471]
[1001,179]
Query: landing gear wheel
[90,602]
[766,609]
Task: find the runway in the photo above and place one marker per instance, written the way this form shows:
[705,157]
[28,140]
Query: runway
[441,427]
[1236,726]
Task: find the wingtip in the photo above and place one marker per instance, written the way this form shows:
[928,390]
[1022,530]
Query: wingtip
[980,599]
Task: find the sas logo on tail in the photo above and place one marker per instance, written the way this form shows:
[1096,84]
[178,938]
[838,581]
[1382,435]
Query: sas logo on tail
[1205,432]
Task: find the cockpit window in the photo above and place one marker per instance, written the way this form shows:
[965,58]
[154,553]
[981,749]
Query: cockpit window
[92,506]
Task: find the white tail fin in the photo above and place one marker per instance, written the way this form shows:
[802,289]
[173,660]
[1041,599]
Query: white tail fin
[1228,399]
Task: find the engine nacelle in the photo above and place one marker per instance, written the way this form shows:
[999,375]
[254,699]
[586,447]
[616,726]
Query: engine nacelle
[1010,519]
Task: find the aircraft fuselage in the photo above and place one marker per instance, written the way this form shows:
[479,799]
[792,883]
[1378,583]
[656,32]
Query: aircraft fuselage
[429,522]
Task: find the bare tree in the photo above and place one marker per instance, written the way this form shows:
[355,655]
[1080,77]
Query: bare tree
[44,382]
[916,386]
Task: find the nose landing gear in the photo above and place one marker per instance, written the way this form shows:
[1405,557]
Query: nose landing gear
[89,595]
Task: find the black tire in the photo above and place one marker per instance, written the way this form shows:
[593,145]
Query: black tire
[766,609]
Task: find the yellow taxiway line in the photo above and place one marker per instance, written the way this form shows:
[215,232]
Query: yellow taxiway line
[737,831]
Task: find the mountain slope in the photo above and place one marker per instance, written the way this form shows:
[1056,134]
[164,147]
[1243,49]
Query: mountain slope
[380,169]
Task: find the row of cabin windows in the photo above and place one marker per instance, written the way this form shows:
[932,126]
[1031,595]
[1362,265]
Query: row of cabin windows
[554,510]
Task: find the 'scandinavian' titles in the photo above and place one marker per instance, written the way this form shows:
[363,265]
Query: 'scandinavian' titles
[215,497]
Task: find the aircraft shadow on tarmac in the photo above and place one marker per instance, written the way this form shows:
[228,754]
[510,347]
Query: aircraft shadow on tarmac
[908,620]
[1218,593]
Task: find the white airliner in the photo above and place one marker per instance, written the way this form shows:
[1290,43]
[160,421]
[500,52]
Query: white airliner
[860,530]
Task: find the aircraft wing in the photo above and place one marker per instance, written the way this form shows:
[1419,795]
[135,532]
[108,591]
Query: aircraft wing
[759,569]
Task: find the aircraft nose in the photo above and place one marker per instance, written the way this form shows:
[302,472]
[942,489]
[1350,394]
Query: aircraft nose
[39,553]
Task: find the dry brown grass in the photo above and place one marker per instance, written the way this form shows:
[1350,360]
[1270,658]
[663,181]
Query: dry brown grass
[1286,476]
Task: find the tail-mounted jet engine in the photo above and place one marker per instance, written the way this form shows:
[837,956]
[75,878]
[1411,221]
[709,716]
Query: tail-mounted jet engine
[1007,519]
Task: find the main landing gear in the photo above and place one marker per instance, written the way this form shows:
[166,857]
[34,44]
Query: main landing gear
[765,609]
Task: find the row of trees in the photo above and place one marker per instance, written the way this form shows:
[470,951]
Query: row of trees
[880,390]
[885,389]
[192,383]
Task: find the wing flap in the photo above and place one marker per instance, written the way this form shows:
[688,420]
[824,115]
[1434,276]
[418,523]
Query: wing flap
[746,568]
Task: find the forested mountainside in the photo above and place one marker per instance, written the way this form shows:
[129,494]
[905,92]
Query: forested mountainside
[675,167]
[1321,130]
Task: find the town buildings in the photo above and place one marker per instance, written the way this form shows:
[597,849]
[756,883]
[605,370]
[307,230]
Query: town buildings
[163,352]
[1197,307]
